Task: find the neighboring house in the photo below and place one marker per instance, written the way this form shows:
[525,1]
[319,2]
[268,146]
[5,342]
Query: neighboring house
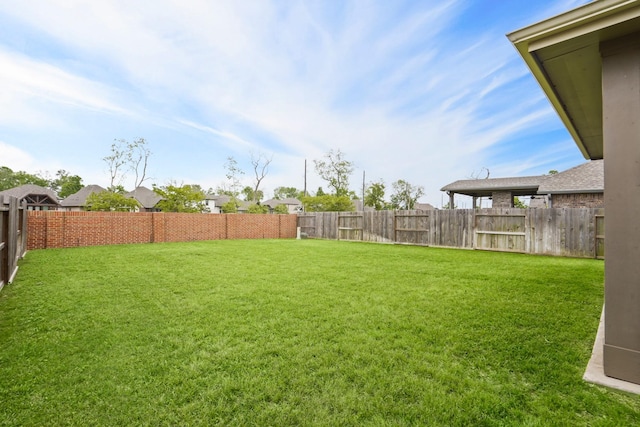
[38,198]
[215,203]
[210,201]
[423,207]
[148,199]
[578,187]
[293,205]
[77,201]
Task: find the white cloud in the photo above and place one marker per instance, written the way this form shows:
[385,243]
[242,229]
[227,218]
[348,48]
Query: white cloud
[402,93]
[17,158]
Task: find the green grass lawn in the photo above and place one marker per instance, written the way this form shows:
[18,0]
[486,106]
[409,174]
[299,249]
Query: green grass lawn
[286,332]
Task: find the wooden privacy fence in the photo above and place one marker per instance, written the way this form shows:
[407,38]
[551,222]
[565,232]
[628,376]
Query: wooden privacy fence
[575,232]
[13,237]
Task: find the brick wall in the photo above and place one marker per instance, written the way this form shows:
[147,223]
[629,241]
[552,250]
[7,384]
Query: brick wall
[584,200]
[60,229]
[502,199]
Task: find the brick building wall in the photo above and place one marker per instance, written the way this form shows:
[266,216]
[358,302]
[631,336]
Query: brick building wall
[502,199]
[60,229]
[584,200]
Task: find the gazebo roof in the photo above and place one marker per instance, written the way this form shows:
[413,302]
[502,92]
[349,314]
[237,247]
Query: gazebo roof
[585,178]
[35,194]
[519,186]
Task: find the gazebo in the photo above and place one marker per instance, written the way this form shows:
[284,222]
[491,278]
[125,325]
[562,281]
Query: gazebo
[38,198]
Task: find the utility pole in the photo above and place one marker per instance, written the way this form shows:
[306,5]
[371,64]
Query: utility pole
[363,175]
[305,177]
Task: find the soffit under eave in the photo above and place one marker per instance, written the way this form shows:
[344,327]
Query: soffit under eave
[563,55]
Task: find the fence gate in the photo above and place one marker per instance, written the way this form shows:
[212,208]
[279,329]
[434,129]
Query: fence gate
[350,226]
[500,232]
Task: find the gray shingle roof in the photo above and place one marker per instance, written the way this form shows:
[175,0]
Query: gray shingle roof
[585,178]
[524,185]
[79,199]
[29,189]
[272,203]
[221,199]
[147,198]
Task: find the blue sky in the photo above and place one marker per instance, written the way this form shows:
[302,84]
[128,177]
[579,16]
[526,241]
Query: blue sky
[427,91]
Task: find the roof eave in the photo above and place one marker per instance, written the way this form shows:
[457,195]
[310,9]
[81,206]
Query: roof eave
[575,191]
[589,24]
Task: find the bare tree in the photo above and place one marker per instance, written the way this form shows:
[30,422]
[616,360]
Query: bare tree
[128,156]
[115,163]
[260,165]
[138,156]
[479,176]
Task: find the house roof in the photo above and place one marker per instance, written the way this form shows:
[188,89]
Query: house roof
[147,198]
[563,53]
[424,207]
[585,178]
[221,199]
[519,186]
[79,198]
[272,203]
[30,190]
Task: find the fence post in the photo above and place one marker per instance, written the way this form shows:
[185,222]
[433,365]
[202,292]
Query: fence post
[12,239]
[23,223]
[4,260]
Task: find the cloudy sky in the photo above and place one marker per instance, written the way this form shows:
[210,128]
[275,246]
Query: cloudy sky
[428,91]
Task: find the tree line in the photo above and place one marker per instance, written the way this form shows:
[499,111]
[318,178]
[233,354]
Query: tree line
[132,158]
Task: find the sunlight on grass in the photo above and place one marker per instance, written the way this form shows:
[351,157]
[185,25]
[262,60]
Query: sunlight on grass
[269,332]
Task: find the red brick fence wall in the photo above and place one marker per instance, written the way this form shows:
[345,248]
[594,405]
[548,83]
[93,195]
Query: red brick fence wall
[60,229]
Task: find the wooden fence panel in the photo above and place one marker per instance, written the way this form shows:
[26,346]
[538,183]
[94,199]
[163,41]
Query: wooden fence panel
[579,233]
[452,228]
[307,224]
[13,233]
[350,226]
[543,231]
[599,219]
[575,232]
[378,226]
[501,230]
[330,225]
[4,232]
[412,227]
